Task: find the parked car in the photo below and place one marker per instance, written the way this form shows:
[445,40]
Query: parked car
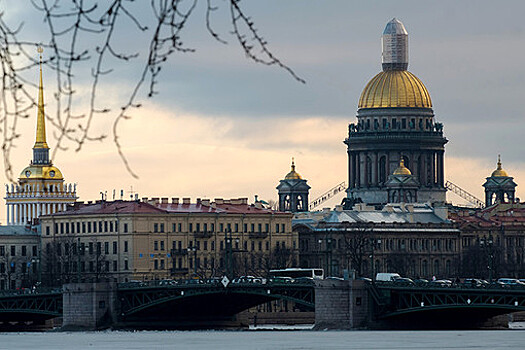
[387,276]
[441,283]
[421,281]
[511,282]
[473,283]
[403,281]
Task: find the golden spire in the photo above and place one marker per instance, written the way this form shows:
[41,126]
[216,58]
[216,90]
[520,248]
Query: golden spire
[499,172]
[402,169]
[41,117]
[293,175]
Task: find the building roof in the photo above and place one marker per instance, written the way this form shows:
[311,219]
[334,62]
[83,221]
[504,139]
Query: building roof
[16,230]
[395,88]
[391,214]
[507,214]
[114,207]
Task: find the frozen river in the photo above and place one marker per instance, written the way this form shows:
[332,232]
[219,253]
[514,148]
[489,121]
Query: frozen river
[230,340]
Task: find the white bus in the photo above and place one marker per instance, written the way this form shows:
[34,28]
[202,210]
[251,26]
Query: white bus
[298,272]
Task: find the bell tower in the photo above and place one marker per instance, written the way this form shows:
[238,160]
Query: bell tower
[499,187]
[293,192]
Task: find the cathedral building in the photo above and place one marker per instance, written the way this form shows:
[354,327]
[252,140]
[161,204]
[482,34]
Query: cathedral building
[40,189]
[395,122]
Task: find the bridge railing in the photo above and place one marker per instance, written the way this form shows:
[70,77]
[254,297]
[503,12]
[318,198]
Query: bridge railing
[29,291]
[215,282]
[441,285]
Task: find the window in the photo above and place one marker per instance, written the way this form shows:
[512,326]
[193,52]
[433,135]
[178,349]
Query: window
[114,265]
[83,227]
[61,227]
[229,227]
[47,230]
[266,228]
[95,227]
[111,226]
[205,229]
[106,247]
[72,227]
[13,250]
[125,246]
[198,227]
[105,226]
[99,248]
[221,227]
[162,264]
[198,245]
[245,227]
[236,227]
[91,248]
[78,227]
[173,228]
[91,267]
[260,245]
[126,264]
[283,228]
[191,228]
[179,226]
[24,250]
[259,227]
[82,249]
[276,228]
[35,250]
[99,226]
[212,227]
[212,245]
[114,247]
[155,227]
[403,123]
[205,245]
[156,264]
[267,245]
[13,267]
[161,245]
[252,228]
[156,245]
[161,227]
[222,245]
[253,246]
[125,228]
[106,267]
[89,226]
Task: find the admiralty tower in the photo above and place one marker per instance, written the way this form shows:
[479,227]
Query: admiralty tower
[40,189]
[395,121]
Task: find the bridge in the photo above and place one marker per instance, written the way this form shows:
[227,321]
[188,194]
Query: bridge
[214,303]
[195,303]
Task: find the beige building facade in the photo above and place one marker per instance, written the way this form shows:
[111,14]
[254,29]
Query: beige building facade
[165,239]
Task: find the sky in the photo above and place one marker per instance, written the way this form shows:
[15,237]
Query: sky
[223,126]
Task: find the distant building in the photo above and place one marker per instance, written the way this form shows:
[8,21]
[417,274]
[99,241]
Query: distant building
[293,192]
[414,240]
[19,257]
[395,122]
[499,187]
[159,239]
[41,189]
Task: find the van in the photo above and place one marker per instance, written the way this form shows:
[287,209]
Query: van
[387,276]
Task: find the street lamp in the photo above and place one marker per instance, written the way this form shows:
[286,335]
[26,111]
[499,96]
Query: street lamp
[228,241]
[375,243]
[193,248]
[488,243]
[327,251]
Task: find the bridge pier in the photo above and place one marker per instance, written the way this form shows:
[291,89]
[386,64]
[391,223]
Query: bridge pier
[341,305]
[89,306]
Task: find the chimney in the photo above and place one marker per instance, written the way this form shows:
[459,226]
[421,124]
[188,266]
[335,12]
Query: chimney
[206,202]
[339,208]
[164,200]
[219,201]
[186,201]
[155,200]
[145,199]
[174,200]
[198,201]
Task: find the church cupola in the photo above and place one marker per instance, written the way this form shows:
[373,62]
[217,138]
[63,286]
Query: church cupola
[499,187]
[293,192]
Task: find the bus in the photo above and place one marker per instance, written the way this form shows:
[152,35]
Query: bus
[315,273]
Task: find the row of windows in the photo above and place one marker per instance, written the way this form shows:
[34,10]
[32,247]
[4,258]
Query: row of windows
[21,267]
[86,227]
[197,227]
[395,124]
[73,249]
[22,251]
[447,245]
[91,266]
[252,245]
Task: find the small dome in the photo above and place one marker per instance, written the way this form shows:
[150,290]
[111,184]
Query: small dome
[499,172]
[402,169]
[47,172]
[395,88]
[293,175]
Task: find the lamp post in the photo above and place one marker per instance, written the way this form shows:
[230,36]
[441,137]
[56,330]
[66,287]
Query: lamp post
[374,244]
[488,243]
[327,251]
[228,241]
[193,249]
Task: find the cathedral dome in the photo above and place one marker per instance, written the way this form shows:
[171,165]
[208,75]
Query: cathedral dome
[47,172]
[395,88]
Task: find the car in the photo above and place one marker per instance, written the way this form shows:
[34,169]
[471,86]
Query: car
[306,280]
[441,283]
[473,283]
[513,282]
[421,281]
[403,281]
[282,279]
[334,278]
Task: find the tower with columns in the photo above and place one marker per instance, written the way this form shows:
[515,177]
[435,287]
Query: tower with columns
[293,192]
[499,187]
[395,122]
[40,189]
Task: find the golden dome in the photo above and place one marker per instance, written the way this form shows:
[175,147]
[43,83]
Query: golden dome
[499,172]
[47,172]
[402,169]
[293,175]
[395,88]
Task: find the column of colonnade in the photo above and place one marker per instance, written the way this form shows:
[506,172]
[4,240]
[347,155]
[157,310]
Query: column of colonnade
[21,213]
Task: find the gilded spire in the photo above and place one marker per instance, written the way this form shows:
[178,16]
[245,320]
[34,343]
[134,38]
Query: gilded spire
[41,118]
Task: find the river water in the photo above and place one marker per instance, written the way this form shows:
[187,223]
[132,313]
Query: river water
[262,340]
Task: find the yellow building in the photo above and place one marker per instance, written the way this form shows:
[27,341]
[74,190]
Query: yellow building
[41,189]
[162,239]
